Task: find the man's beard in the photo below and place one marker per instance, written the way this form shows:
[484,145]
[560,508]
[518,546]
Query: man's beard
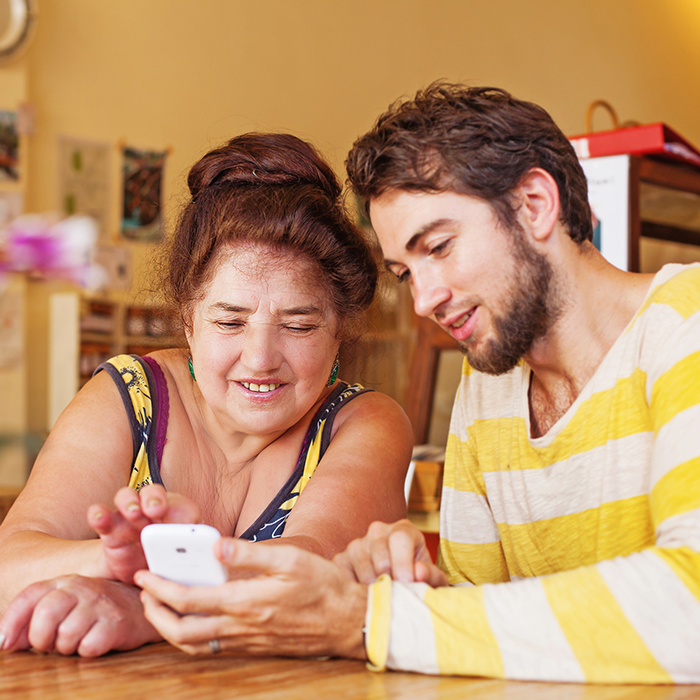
[533,307]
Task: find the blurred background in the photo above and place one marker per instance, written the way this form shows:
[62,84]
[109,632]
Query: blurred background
[178,77]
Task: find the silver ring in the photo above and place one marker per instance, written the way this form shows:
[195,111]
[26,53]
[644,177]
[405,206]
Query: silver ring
[214,646]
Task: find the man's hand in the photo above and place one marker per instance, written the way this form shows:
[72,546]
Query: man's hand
[293,603]
[120,530]
[397,549]
[75,614]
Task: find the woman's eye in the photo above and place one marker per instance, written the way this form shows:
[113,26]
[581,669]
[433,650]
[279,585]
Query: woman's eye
[300,329]
[229,325]
[404,276]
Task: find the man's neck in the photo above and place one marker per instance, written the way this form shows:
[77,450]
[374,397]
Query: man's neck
[598,302]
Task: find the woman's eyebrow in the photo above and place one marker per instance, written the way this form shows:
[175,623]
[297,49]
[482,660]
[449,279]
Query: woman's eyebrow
[300,311]
[230,308]
[306,310]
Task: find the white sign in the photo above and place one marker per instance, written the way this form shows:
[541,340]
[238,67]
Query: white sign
[608,194]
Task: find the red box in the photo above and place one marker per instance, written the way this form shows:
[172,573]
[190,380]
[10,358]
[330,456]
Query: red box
[649,139]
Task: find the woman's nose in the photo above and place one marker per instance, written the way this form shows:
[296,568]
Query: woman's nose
[260,352]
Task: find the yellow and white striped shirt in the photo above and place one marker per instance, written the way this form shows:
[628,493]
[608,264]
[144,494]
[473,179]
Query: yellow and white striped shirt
[584,544]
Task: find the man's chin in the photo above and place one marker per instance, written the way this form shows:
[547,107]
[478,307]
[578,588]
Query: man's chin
[489,361]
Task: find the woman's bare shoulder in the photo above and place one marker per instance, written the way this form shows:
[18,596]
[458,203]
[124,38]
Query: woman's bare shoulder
[376,408]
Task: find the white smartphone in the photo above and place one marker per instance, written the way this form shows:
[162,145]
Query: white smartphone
[183,553]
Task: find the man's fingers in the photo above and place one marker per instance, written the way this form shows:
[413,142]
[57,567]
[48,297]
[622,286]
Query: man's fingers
[356,560]
[404,546]
[429,573]
[392,549]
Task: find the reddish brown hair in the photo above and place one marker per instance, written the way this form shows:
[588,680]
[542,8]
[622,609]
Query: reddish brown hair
[276,190]
[477,141]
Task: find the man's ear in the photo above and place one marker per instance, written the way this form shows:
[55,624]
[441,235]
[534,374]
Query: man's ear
[539,198]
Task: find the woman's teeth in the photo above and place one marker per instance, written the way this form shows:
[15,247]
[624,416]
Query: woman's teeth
[263,388]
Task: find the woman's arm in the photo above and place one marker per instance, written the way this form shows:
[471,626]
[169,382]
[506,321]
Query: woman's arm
[54,587]
[360,478]
[85,460]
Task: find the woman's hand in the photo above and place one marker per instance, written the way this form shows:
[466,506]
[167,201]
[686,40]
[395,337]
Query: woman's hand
[397,549]
[75,614]
[294,604]
[120,530]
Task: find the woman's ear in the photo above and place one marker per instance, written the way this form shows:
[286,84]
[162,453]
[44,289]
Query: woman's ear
[539,197]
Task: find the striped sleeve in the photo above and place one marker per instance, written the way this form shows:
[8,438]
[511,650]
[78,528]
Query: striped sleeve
[626,619]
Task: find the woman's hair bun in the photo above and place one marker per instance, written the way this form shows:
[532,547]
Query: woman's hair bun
[263,159]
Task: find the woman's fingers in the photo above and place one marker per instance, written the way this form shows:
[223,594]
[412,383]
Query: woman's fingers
[131,505]
[180,630]
[47,631]
[14,625]
[157,505]
[120,530]
[102,520]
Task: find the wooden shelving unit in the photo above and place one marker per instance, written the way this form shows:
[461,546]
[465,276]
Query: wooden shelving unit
[110,328]
[680,178]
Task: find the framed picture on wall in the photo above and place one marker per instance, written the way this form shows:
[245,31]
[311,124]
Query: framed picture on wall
[9,147]
[142,173]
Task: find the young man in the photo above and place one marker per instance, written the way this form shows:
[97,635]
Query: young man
[572,477]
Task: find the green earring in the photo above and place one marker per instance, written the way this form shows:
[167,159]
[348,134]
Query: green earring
[334,372]
[189,364]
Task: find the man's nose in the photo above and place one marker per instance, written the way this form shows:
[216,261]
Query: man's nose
[428,294]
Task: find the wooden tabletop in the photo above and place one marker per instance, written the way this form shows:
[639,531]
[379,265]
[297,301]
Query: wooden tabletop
[161,672]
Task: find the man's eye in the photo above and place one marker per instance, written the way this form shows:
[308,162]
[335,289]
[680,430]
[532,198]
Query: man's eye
[300,329]
[440,248]
[229,325]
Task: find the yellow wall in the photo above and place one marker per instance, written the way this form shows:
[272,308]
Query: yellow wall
[189,74]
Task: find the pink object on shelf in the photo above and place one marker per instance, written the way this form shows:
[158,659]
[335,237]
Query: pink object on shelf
[39,245]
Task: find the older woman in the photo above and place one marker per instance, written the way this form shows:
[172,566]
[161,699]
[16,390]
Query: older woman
[249,430]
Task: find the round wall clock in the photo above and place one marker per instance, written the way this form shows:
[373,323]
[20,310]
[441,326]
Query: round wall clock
[17,24]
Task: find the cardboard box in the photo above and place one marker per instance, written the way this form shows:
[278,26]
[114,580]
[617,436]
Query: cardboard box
[426,488]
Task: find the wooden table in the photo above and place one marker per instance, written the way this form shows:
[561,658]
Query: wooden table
[161,672]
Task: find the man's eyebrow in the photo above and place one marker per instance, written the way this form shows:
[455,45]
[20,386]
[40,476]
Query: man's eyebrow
[420,233]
